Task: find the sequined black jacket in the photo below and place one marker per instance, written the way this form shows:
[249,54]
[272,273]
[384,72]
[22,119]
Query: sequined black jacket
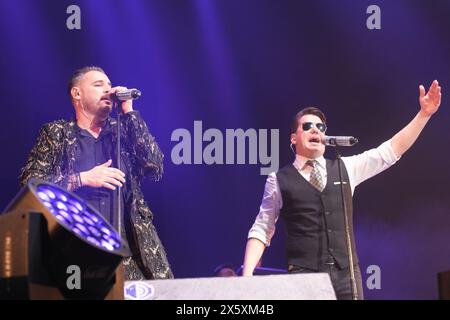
[52,159]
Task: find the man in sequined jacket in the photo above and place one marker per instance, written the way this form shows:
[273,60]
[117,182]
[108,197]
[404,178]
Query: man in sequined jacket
[79,156]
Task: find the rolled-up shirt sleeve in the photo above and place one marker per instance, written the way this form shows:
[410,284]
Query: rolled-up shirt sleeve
[369,163]
[263,228]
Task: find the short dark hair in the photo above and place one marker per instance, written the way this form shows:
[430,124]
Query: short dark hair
[310,110]
[221,267]
[78,74]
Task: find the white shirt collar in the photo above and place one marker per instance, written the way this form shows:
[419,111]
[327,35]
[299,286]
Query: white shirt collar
[300,161]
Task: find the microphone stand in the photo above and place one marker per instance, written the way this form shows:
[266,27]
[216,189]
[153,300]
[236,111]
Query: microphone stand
[118,163]
[129,94]
[347,227]
[117,292]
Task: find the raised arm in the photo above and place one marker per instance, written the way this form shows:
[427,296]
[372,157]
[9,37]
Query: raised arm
[429,104]
[143,146]
[147,156]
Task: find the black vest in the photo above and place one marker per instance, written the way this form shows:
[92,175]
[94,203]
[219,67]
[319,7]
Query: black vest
[314,220]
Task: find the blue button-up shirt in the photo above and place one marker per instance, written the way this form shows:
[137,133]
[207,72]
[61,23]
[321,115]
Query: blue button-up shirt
[91,152]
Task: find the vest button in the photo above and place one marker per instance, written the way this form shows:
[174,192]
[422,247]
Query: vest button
[329,230]
[327,213]
[331,249]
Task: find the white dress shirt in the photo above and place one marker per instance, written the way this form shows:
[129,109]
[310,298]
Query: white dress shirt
[359,168]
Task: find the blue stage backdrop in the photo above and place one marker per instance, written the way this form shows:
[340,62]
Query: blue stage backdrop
[229,64]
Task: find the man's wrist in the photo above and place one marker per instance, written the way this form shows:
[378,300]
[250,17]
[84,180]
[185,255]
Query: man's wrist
[83,176]
[75,181]
[424,115]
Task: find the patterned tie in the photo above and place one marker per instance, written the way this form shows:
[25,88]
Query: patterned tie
[315,178]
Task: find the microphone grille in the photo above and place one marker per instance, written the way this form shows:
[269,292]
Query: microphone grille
[135,93]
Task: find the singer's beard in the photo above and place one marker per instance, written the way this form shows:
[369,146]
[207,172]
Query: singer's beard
[104,112]
[100,117]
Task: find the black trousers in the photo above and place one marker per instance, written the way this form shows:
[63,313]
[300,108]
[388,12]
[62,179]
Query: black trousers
[340,278]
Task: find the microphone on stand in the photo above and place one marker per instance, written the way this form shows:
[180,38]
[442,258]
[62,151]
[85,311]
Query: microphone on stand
[341,141]
[124,95]
[345,141]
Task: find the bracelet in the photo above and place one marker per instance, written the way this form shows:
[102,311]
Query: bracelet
[80,184]
[75,181]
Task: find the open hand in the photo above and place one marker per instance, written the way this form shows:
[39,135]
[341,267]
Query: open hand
[430,102]
[103,176]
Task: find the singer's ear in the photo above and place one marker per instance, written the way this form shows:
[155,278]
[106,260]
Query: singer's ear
[293,138]
[75,93]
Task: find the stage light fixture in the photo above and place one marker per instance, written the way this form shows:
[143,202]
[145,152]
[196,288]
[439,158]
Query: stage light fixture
[76,237]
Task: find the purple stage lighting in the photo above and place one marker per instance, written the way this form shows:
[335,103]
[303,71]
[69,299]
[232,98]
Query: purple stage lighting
[75,235]
[76,216]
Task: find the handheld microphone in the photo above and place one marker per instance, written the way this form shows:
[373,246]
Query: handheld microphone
[128,94]
[342,141]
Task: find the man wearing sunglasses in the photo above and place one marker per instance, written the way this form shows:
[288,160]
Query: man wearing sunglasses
[307,195]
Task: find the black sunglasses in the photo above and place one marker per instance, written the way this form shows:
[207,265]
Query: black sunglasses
[306,126]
